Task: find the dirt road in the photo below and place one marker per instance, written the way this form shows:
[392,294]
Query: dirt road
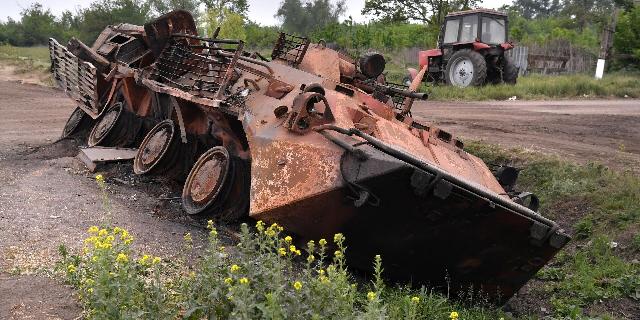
[607,131]
[47,198]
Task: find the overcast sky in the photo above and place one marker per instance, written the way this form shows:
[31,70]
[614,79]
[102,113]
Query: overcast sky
[261,11]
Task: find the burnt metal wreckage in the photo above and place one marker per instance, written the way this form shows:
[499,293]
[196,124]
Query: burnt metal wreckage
[311,139]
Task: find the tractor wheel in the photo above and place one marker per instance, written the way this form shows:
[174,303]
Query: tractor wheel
[509,71]
[466,68]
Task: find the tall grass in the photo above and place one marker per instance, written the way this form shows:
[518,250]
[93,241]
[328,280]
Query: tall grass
[545,87]
[598,264]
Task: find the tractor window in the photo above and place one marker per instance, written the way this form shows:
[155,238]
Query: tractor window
[493,30]
[469,29]
[451,31]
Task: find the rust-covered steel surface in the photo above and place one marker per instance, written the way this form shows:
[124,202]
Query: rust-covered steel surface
[314,140]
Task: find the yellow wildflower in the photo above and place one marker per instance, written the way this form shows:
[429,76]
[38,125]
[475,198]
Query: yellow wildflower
[90,290]
[99,178]
[109,239]
[71,268]
[288,239]
[415,299]
[292,248]
[228,280]
[282,251]
[371,296]
[117,230]
[311,245]
[89,282]
[260,225]
[94,258]
[210,224]
[155,260]
[221,248]
[144,260]
[187,238]
[103,232]
[235,268]
[243,280]
[124,235]
[122,258]
[297,285]
[321,272]
[311,258]
[93,229]
[338,254]
[337,237]
[298,252]
[322,242]
[453,315]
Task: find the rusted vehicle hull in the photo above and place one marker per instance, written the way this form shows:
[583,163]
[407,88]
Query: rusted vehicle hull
[313,140]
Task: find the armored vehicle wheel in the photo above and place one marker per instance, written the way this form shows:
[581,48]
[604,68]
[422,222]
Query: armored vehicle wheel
[79,123]
[116,128]
[209,182]
[151,153]
[466,68]
[509,71]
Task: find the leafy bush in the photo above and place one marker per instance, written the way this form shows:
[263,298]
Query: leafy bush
[267,276]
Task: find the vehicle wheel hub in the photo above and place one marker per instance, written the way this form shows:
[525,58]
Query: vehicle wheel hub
[462,72]
[153,148]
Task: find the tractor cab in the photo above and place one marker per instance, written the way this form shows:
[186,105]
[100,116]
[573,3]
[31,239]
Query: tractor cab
[481,26]
[471,50]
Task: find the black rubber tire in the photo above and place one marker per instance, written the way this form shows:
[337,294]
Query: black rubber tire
[509,71]
[479,66]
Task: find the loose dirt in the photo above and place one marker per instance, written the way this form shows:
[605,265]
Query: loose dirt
[47,198]
[605,131]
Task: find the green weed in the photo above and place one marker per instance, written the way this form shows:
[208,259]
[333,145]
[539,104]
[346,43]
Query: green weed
[269,277]
[608,203]
[544,87]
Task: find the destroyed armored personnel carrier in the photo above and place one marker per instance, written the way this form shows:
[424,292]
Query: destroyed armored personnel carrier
[311,139]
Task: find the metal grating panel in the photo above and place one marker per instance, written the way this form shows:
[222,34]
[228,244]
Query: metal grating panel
[199,66]
[76,77]
[290,48]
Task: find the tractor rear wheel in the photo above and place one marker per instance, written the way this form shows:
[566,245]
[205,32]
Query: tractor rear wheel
[466,68]
[509,71]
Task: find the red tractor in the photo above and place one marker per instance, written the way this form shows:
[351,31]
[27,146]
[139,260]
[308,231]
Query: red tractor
[471,51]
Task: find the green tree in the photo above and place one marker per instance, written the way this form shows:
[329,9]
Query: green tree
[163,6]
[304,17]
[240,7]
[37,25]
[109,12]
[627,36]
[431,12]
[231,24]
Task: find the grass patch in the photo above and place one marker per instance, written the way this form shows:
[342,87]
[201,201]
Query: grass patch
[545,87]
[27,58]
[597,264]
[30,64]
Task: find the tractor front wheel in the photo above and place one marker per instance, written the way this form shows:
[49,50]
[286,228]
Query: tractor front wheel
[466,68]
[509,71]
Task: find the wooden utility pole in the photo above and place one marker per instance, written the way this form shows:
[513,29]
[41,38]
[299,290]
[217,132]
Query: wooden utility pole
[606,43]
